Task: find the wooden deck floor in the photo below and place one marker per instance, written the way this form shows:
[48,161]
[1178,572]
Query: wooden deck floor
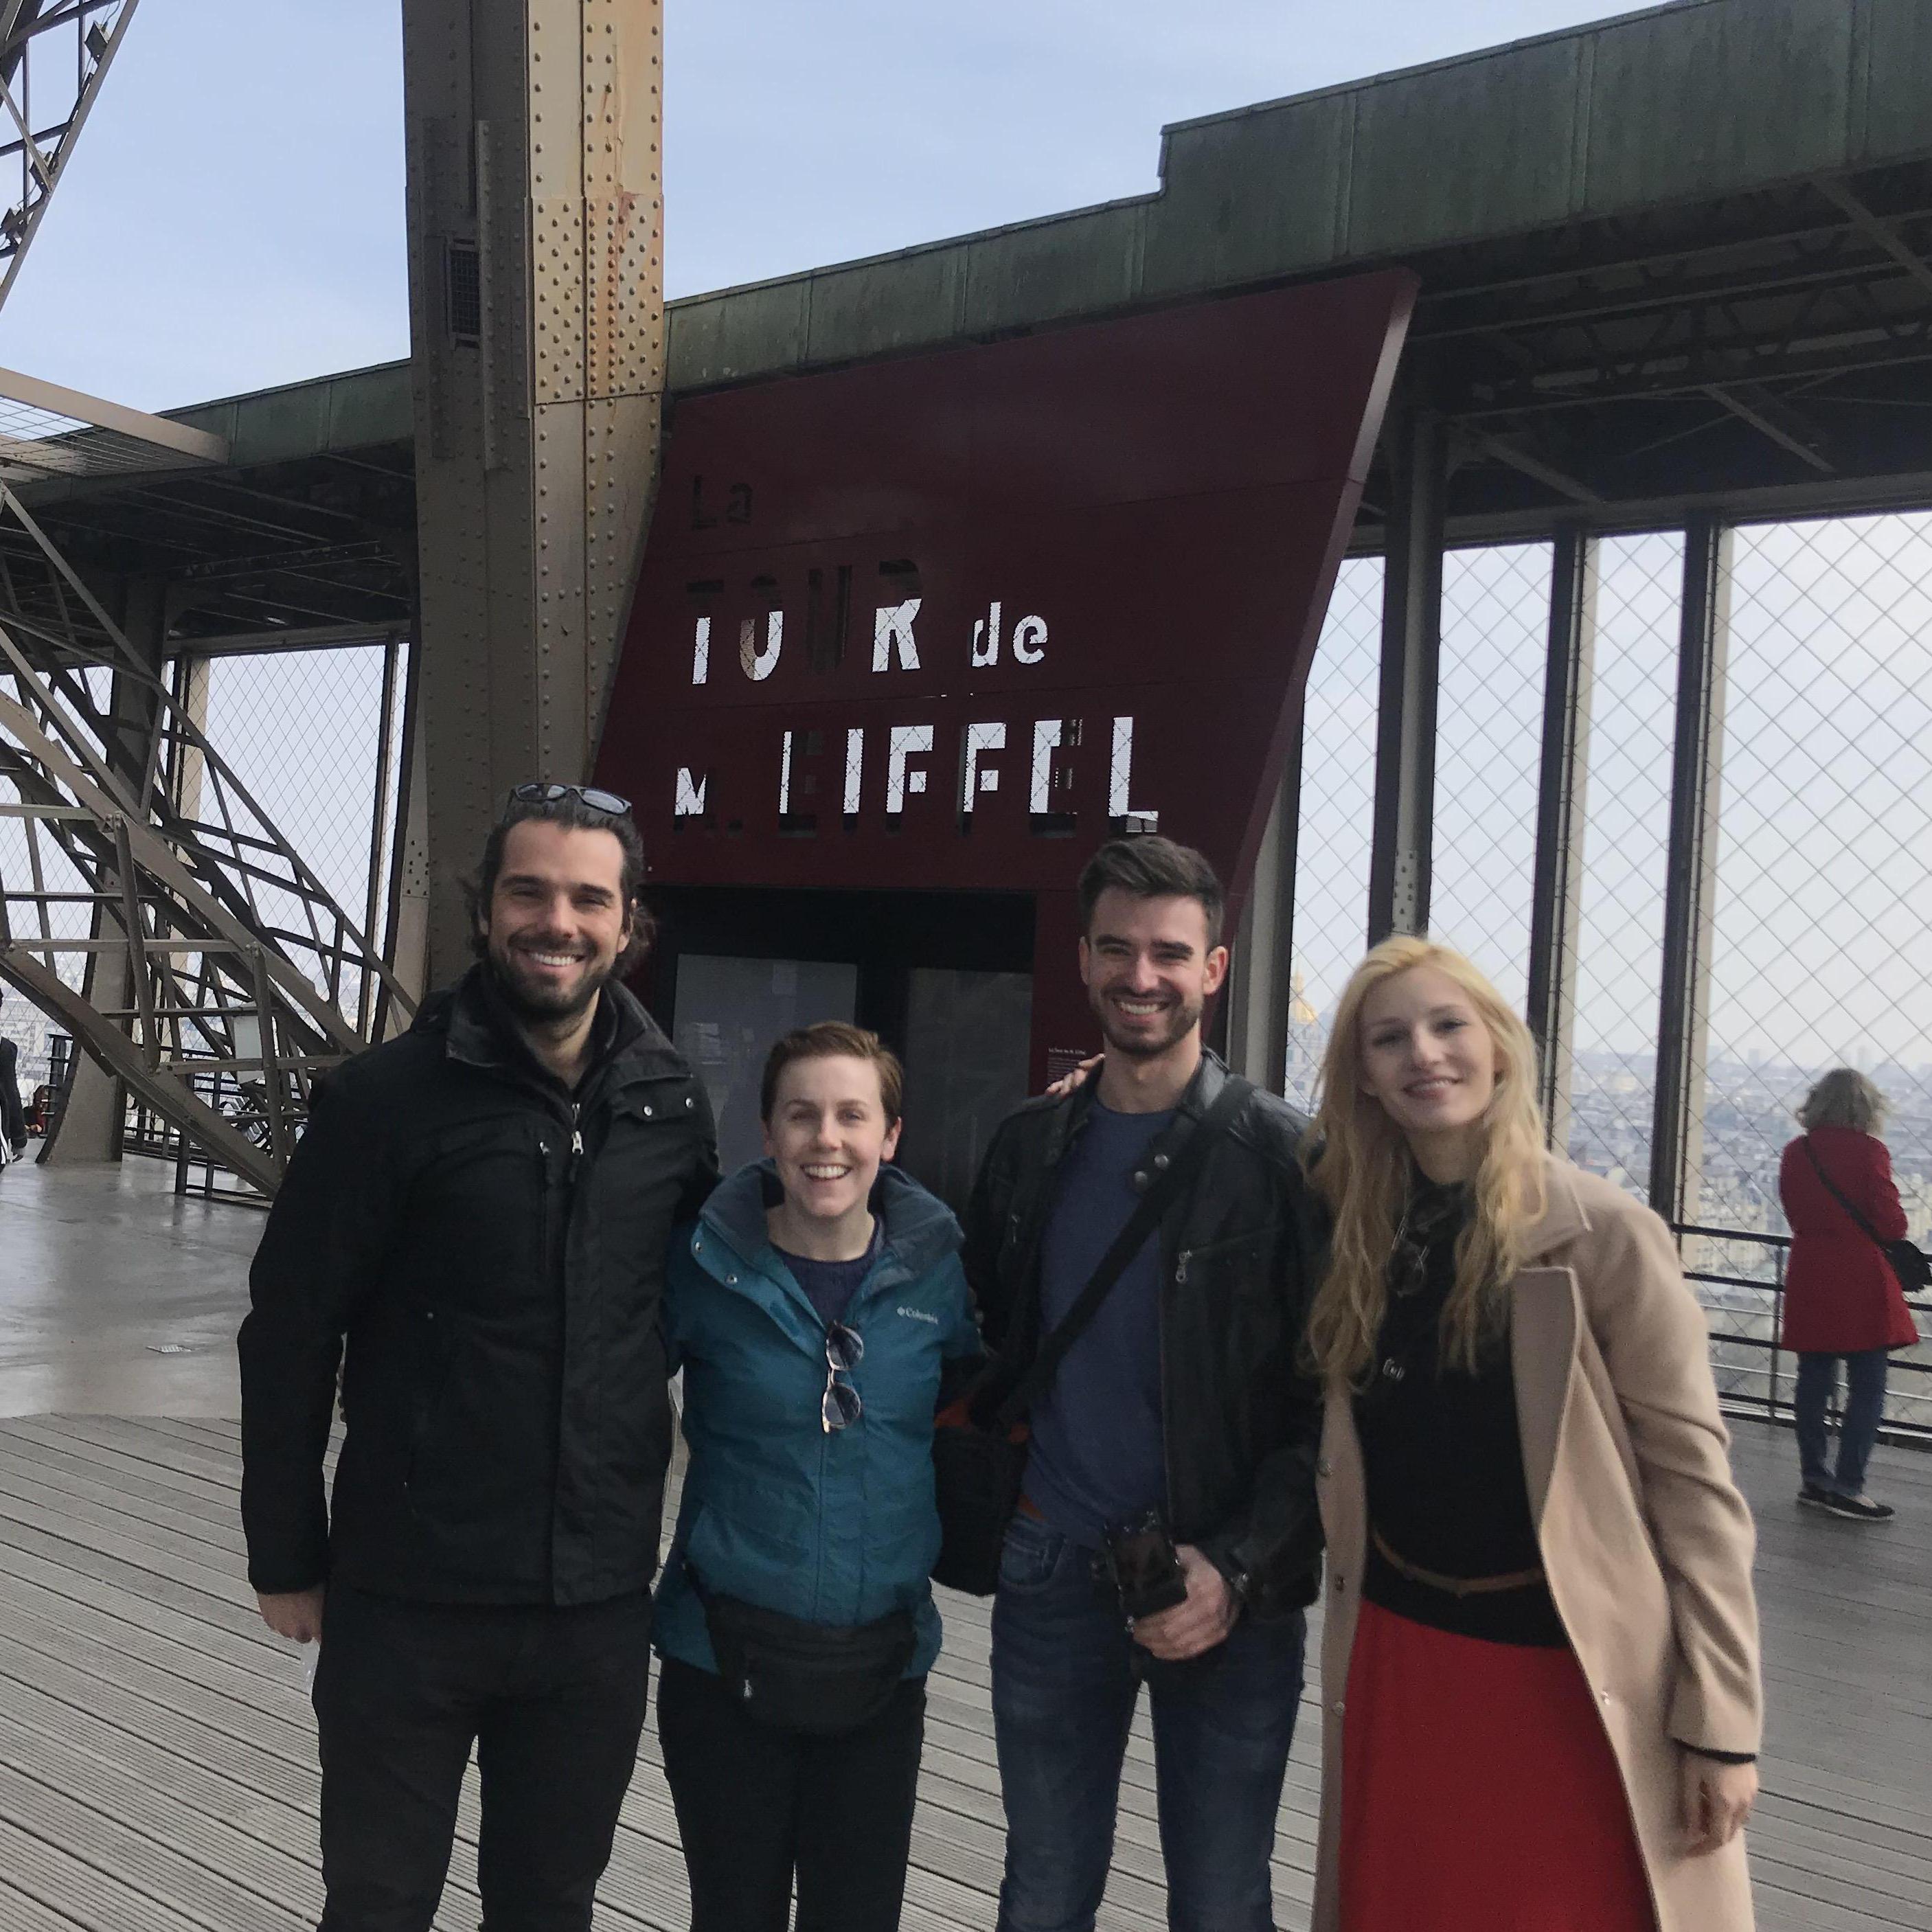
[158,1773]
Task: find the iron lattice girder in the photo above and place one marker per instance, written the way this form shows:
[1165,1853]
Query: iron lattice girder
[321,542]
[1582,365]
[54,56]
[163,877]
[1801,284]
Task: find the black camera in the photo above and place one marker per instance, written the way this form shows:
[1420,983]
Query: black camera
[1146,1570]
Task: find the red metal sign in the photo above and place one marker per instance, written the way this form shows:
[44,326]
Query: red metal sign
[949,621]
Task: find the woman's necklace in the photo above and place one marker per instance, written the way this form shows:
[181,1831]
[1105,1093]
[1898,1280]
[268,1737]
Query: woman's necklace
[1427,1216]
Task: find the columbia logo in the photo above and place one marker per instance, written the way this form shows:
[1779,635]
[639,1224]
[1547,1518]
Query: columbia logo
[919,1315]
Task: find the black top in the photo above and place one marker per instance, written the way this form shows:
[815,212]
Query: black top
[1441,1454]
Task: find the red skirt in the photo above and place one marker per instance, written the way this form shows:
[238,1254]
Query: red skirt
[1479,1793]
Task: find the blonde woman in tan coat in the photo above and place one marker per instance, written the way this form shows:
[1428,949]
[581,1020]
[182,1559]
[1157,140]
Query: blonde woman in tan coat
[1540,1662]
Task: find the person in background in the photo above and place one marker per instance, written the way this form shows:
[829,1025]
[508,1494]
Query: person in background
[1842,1299]
[820,1314]
[13,1121]
[1540,1657]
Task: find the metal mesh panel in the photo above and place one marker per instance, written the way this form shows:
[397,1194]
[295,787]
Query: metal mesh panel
[67,916]
[1824,913]
[1495,607]
[1626,840]
[36,443]
[19,1021]
[303,731]
[1337,814]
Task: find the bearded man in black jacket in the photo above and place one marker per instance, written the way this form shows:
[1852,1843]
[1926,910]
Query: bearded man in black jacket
[474,1227]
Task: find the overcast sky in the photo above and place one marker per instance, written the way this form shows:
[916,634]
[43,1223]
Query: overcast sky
[233,216]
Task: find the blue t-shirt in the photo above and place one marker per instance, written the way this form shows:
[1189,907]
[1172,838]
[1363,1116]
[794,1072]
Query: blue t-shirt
[1097,1457]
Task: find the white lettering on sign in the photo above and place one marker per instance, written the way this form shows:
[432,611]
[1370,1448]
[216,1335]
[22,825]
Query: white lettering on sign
[1048,734]
[986,639]
[892,634]
[906,740]
[975,777]
[1060,786]
[701,656]
[1120,773]
[855,768]
[759,664]
[1029,635]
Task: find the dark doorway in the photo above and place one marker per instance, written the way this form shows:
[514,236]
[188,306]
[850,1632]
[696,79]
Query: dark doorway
[945,979]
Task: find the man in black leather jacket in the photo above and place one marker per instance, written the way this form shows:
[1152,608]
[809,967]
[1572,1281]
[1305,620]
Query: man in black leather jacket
[482,1209]
[1185,1395]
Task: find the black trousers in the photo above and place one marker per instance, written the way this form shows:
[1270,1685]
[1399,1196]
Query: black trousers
[755,1805]
[553,1699]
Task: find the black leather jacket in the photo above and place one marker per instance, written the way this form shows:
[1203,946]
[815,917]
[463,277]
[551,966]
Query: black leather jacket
[1239,1252]
[492,1248]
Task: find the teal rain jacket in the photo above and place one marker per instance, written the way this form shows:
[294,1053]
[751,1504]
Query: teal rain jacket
[834,1529]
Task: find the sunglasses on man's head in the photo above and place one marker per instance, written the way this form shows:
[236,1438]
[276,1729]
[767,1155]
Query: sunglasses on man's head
[535,792]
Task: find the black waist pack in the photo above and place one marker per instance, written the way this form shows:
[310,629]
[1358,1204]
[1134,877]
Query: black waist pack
[820,1679]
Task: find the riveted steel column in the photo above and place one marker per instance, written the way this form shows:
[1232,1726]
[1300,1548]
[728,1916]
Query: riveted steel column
[1677,1137]
[537,323]
[1568,679]
[1399,870]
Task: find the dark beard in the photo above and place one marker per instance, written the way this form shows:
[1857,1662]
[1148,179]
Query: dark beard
[1186,1018]
[531,1009]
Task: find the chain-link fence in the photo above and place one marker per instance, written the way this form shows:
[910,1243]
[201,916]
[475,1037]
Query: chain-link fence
[1489,747]
[306,732]
[1626,830]
[1336,831]
[312,736]
[66,910]
[1823,939]
[1823,902]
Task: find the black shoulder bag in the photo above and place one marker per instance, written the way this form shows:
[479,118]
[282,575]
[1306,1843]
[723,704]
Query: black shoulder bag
[1909,1262]
[978,1468]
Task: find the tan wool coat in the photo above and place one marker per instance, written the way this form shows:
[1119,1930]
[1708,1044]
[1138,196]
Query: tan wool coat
[1646,1542]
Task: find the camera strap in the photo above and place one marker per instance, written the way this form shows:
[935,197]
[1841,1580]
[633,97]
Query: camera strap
[1128,1242]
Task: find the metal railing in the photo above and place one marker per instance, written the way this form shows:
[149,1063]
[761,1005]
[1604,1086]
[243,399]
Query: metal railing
[1755,1372]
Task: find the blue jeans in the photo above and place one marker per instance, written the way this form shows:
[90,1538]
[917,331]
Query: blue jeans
[1864,1406]
[1066,1676]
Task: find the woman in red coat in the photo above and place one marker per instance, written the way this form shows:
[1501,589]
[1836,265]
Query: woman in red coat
[1841,1298]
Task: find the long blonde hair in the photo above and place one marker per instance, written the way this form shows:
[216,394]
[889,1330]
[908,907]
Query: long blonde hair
[1363,1172]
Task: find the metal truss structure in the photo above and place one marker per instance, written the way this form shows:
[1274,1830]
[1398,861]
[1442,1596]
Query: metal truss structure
[49,430]
[1636,359]
[54,55]
[147,901]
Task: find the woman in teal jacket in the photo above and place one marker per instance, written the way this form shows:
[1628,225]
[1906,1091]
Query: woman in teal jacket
[821,1315]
